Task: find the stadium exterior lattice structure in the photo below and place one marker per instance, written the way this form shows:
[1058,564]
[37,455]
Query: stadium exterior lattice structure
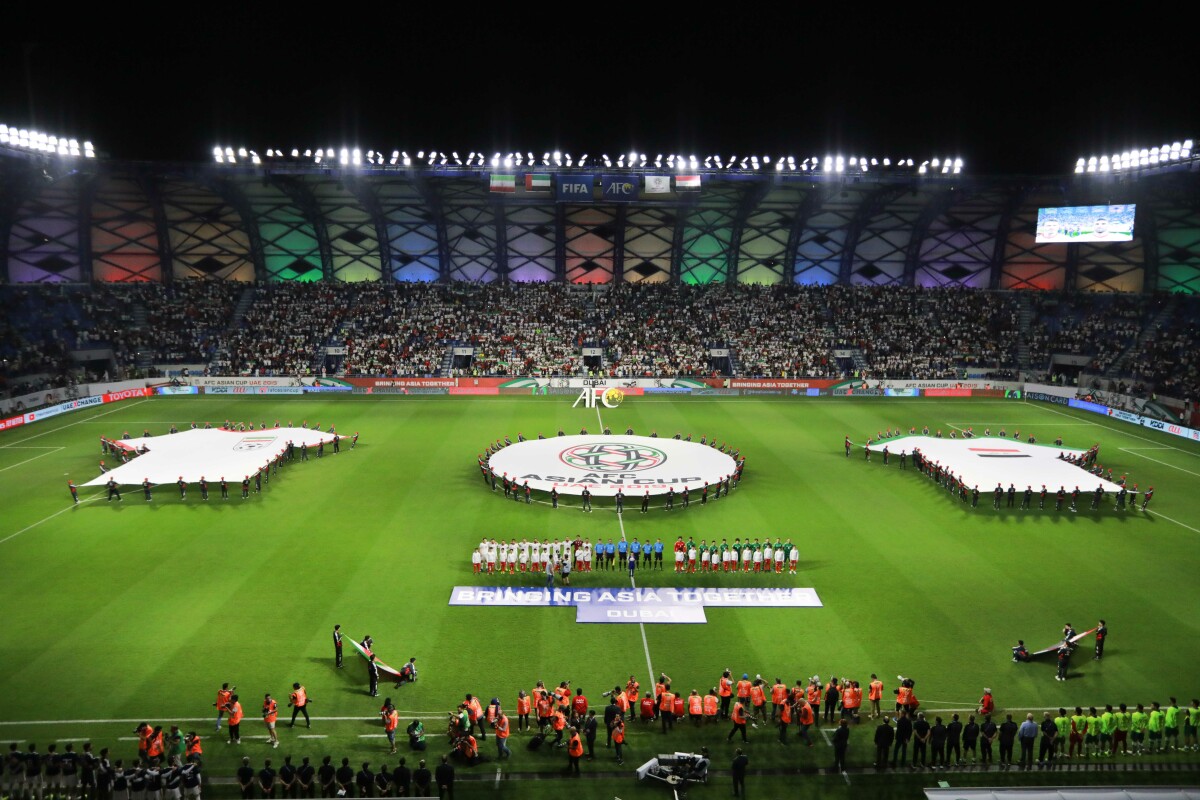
[105,220]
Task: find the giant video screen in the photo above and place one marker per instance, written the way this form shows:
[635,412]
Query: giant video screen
[1085,224]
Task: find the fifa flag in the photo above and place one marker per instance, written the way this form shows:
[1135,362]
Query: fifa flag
[504,183]
[536,183]
[658,184]
[687,183]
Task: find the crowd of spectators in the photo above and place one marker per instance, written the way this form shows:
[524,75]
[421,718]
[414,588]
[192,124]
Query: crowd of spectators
[911,332]
[541,330]
[1099,326]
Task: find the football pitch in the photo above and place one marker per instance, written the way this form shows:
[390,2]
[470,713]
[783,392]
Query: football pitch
[118,612]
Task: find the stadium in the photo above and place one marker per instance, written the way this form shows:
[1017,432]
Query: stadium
[412,428]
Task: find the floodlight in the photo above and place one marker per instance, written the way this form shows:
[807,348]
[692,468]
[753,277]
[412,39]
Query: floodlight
[217,151]
[779,166]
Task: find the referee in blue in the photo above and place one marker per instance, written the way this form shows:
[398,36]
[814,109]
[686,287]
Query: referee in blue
[622,550]
[658,551]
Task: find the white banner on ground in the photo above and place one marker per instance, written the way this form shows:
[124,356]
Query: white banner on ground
[211,454]
[987,461]
[605,465]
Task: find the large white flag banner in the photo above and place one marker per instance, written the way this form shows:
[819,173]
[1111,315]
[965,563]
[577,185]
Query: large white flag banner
[212,454]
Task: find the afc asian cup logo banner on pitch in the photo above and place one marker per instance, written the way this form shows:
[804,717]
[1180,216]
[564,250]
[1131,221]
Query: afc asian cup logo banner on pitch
[605,465]
[615,457]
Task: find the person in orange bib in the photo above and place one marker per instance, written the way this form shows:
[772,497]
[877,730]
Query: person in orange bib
[144,733]
[875,694]
[813,696]
[806,717]
[633,690]
[523,707]
[711,705]
[559,723]
[574,752]
[270,712]
[666,708]
[785,720]
[725,692]
[739,722]
[235,720]
[500,725]
[743,690]
[779,697]
[695,707]
[391,718]
[758,699]
[298,700]
[154,744]
[222,704]
[194,748]
[619,737]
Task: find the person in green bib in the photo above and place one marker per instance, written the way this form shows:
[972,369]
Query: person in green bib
[1155,727]
[1092,738]
[1078,733]
[1139,721]
[1108,727]
[1190,725]
[1171,725]
[1124,721]
[1063,723]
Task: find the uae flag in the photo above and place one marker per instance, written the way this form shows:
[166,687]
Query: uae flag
[658,184]
[687,183]
[384,669]
[504,183]
[537,183]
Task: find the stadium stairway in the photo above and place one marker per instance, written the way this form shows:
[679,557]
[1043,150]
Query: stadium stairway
[1138,345]
[1025,320]
[145,358]
[447,367]
[235,321]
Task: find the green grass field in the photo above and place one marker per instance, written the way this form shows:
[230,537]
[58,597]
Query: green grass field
[113,613]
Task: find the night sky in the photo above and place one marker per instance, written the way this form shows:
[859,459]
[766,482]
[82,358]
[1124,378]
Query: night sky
[1007,95]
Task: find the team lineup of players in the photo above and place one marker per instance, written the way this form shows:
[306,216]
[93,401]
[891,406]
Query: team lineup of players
[518,491]
[492,556]
[1125,498]
[260,478]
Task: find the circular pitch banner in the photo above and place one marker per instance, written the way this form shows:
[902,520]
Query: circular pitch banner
[605,464]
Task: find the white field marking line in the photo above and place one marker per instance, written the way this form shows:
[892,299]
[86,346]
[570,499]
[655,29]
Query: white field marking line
[30,447]
[312,736]
[995,436]
[498,773]
[120,407]
[33,458]
[1177,522]
[1157,447]
[1139,455]
[825,733]
[632,582]
[1122,431]
[209,719]
[47,519]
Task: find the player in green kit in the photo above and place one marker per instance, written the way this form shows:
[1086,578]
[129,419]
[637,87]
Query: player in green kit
[1155,728]
[1092,737]
[1063,723]
[1190,724]
[1171,725]
[1124,721]
[1078,733]
[736,561]
[1139,720]
[1108,725]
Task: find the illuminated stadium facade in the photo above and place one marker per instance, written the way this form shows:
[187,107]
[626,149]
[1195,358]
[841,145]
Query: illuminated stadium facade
[74,219]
